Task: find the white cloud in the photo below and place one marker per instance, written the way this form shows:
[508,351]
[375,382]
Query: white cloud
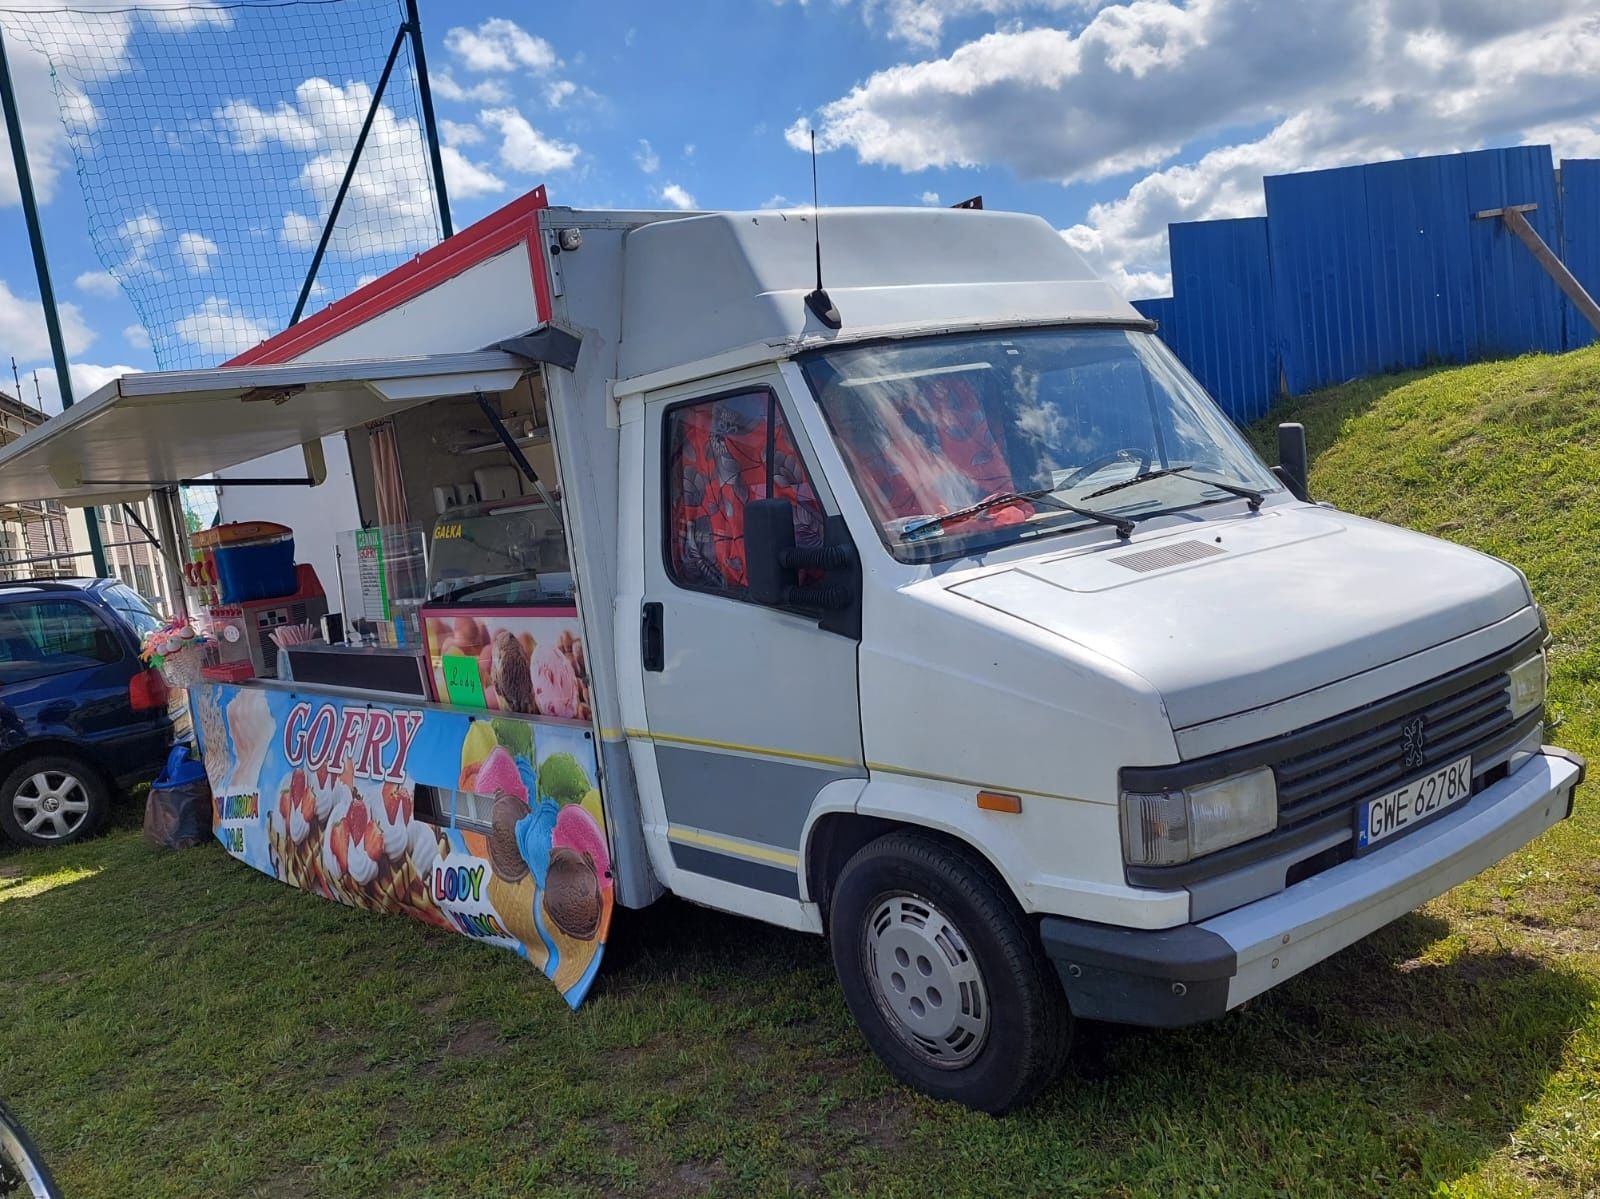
[97,283]
[930,198]
[459,133]
[1150,86]
[253,128]
[921,23]
[389,208]
[299,231]
[485,91]
[465,179]
[500,45]
[677,197]
[87,378]
[87,51]
[22,329]
[647,159]
[558,91]
[137,337]
[523,148]
[186,16]
[776,201]
[217,327]
[196,251]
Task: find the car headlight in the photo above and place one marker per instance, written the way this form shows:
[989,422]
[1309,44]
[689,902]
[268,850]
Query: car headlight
[1527,685]
[1170,827]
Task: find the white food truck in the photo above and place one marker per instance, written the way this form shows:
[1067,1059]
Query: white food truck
[937,610]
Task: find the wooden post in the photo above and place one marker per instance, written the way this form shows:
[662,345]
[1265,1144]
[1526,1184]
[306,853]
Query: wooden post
[1553,266]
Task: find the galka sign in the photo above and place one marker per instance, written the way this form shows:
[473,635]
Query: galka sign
[375,741]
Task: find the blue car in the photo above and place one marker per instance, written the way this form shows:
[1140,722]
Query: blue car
[81,718]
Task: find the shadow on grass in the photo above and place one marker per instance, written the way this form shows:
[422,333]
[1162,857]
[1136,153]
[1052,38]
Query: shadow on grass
[1395,1059]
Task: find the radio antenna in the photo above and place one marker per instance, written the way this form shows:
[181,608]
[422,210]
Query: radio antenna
[818,302]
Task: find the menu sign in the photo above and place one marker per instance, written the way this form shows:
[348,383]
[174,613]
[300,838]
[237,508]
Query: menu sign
[374,583]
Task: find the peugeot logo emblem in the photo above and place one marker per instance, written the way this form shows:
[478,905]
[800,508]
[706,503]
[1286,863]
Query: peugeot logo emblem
[1414,741]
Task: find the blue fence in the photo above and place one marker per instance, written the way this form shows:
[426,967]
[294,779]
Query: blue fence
[1374,268]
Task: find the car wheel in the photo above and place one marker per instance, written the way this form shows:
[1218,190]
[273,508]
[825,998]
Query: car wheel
[944,974]
[52,800]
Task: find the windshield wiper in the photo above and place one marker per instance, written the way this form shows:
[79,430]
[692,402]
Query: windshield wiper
[1255,497]
[1121,524]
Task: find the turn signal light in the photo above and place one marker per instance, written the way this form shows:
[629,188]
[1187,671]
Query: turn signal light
[999,801]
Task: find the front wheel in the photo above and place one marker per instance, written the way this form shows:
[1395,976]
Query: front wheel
[944,975]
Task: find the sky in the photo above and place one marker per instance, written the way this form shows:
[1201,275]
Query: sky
[1108,119]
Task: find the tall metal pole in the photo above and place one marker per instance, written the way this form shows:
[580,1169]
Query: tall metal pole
[349,174]
[414,25]
[47,295]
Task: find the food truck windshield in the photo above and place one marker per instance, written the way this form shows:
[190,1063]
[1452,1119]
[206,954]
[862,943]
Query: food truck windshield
[506,554]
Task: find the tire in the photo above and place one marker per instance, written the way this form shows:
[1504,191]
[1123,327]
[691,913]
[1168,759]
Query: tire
[944,974]
[54,799]
[20,1164]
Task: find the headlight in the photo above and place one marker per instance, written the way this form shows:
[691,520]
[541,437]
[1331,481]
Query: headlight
[1175,826]
[1527,685]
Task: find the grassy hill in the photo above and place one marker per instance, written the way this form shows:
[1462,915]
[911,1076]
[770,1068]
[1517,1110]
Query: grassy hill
[175,1024]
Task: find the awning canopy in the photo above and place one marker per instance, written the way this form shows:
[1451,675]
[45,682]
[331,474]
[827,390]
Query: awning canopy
[148,430]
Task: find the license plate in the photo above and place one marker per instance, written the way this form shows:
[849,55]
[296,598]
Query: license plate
[1384,816]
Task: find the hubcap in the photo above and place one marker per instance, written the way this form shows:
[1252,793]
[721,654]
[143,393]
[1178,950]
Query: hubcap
[926,981]
[52,805]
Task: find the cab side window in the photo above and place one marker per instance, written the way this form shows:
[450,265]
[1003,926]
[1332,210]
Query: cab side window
[721,453]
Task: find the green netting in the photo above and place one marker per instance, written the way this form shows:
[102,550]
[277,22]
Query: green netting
[210,141]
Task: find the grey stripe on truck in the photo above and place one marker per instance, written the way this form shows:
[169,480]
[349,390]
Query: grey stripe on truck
[758,799]
[775,880]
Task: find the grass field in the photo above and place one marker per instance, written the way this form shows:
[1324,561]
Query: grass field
[175,1024]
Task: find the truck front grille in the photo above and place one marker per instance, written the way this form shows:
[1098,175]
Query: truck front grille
[1339,775]
[1324,770]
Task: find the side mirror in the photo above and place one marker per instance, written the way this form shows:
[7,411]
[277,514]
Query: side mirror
[1292,470]
[768,533]
[772,561]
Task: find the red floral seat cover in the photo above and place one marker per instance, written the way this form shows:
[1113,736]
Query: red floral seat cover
[721,454]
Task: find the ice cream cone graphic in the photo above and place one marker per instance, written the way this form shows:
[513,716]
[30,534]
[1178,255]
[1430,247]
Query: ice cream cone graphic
[572,905]
[513,903]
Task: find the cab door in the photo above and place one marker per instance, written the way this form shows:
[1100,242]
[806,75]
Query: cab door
[752,709]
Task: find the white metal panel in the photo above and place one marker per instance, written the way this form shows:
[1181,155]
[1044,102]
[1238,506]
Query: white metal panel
[707,284]
[488,302]
[164,426]
[1302,597]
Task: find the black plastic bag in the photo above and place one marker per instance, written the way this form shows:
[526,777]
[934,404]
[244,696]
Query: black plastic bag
[178,812]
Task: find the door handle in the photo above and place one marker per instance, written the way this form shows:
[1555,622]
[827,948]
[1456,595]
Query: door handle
[652,647]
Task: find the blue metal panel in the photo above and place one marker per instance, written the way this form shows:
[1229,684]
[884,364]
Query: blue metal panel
[1159,310]
[1222,319]
[1420,288]
[1321,259]
[1519,306]
[1580,238]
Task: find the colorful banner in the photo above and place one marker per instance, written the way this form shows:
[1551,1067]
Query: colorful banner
[330,796]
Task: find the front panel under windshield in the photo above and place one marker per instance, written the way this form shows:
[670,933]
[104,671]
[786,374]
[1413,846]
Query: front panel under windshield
[964,442]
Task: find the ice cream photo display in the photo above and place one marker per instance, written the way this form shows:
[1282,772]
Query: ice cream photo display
[532,664]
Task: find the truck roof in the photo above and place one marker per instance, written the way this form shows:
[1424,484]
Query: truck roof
[702,285]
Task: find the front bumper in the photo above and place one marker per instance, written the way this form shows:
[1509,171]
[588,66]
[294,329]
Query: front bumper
[1176,976]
